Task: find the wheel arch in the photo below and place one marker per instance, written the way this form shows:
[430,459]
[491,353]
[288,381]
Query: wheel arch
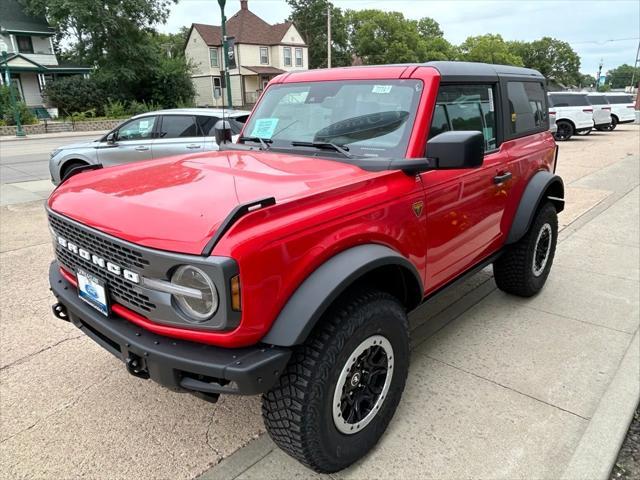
[543,185]
[371,264]
[68,162]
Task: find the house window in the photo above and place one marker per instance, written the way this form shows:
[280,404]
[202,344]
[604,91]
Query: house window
[217,88]
[213,57]
[287,56]
[24,44]
[264,56]
[298,57]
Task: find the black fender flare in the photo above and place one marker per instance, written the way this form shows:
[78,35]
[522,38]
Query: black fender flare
[543,185]
[322,287]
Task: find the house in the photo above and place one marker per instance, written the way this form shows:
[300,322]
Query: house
[28,41]
[261,51]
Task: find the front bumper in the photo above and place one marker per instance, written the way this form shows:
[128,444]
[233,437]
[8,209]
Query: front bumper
[176,364]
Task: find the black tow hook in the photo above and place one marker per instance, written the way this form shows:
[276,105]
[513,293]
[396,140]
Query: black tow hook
[60,311]
[136,366]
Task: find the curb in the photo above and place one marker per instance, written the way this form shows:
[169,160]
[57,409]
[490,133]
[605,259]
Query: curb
[597,451]
[12,138]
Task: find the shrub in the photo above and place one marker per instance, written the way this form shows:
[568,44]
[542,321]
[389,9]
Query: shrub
[74,94]
[115,109]
[7,112]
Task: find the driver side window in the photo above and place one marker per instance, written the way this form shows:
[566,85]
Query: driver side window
[138,129]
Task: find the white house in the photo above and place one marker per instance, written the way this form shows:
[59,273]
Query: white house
[261,51]
[30,56]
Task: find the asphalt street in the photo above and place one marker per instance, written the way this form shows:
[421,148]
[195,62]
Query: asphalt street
[28,160]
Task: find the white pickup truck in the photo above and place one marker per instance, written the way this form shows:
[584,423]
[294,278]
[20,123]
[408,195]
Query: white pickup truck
[573,113]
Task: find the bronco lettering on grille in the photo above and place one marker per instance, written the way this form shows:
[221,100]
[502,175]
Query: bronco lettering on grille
[99,261]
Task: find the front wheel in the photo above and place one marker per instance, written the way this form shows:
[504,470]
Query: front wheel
[565,131]
[584,132]
[523,267]
[341,388]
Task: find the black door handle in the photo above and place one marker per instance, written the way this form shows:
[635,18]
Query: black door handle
[503,177]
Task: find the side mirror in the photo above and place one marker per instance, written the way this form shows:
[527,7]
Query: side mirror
[111,138]
[222,132]
[453,150]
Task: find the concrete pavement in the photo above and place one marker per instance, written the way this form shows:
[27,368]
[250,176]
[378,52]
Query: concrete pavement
[499,387]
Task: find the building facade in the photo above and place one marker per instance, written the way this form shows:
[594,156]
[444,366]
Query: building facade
[28,42]
[261,51]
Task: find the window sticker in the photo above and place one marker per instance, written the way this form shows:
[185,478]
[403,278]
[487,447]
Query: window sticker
[381,89]
[143,125]
[265,127]
[490,99]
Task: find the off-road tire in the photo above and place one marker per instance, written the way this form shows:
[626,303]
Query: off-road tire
[297,411]
[68,167]
[565,131]
[514,269]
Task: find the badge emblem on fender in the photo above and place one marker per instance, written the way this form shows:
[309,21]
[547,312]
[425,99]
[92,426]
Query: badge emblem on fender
[417,208]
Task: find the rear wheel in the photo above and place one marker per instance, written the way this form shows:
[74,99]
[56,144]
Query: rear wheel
[523,268]
[565,131]
[614,122]
[342,386]
[68,167]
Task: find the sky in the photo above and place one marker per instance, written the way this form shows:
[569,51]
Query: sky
[607,30]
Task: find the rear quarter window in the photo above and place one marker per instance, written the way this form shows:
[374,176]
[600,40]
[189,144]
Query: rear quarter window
[618,99]
[597,99]
[527,108]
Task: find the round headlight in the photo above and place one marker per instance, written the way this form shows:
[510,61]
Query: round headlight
[197,309]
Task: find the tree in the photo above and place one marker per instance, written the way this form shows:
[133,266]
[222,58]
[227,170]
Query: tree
[429,28]
[621,76]
[310,17]
[553,58]
[586,80]
[488,48]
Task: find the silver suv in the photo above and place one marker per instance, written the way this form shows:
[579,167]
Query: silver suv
[151,135]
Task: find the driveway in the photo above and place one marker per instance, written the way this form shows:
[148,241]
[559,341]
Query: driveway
[499,387]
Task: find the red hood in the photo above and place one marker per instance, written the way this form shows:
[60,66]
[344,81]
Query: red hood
[177,204]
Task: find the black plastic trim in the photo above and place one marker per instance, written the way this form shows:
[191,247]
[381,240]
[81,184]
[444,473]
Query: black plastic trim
[80,169]
[325,284]
[533,195]
[168,361]
[235,215]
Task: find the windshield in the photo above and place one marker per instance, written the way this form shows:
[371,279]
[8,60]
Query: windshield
[369,118]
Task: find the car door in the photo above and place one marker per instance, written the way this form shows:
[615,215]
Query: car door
[131,142]
[177,135]
[464,207]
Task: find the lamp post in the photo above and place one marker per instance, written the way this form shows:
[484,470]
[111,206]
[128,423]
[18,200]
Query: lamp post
[225,51]
[12,95]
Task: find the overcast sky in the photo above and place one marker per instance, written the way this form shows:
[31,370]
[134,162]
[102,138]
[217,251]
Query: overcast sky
[605,29]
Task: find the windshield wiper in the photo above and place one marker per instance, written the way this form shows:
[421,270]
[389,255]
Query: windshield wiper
[327,145]
[263,141]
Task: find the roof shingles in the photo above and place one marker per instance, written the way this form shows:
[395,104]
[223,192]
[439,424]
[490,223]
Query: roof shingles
[14,18]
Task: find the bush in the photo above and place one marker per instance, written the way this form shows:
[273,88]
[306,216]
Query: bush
[7,112]
[115,109]
[74,94]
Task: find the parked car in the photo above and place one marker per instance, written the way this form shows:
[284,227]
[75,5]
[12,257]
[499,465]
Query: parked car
[573,113]
[149,135]
[601,111]
[622,108]
[286,264]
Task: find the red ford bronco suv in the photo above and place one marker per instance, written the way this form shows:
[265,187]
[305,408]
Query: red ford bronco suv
[286,264]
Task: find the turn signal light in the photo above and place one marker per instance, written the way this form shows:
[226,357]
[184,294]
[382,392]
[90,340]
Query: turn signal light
[235,293]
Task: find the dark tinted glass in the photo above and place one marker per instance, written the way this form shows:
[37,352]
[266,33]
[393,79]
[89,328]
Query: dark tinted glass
[466,107]
[527,108]
[567,100]
[207,125]
[177,126]
[597,99]
[618,99]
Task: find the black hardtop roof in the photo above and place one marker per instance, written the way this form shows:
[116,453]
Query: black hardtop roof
[481,71]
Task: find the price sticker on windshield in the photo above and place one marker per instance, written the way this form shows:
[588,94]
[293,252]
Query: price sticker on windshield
[381,89]
[265,127]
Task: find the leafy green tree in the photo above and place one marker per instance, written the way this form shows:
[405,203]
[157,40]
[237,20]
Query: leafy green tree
[428,27]
[622,76]
[310,17]
[587,80]
[554,58]
[488,48]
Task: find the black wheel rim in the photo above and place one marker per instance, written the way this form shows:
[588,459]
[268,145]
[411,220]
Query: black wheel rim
[563,131]
[542,249]
[363,384]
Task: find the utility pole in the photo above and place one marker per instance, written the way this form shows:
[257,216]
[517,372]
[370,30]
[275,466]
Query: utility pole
[598,77]
[329,35]
[635,66]
[225,54]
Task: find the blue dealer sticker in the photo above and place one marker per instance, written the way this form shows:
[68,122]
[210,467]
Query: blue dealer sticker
[265,127]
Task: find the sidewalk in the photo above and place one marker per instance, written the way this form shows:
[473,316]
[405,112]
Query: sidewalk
[517,388]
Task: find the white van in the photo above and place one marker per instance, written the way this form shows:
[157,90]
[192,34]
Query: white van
[573,113]
[601,111]
[622,108]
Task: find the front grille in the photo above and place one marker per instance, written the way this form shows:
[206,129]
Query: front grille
[120,290]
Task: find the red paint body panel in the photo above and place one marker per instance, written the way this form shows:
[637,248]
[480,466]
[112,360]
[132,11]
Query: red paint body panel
[322,207]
